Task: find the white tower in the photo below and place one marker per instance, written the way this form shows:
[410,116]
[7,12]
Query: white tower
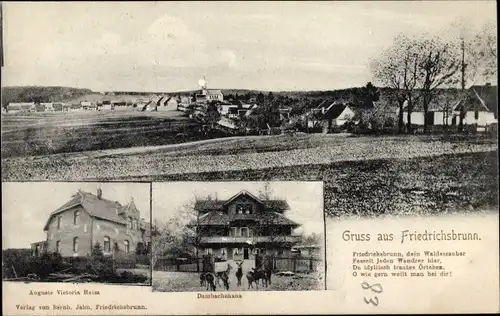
[203,85]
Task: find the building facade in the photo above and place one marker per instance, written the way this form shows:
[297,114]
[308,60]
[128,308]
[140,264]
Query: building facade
[479,106]
[243,226]
[74,228]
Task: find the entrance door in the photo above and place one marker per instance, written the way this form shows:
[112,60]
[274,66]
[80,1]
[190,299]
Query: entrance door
[245,253]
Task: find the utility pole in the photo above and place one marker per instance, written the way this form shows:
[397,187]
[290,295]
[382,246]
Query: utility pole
[463,66]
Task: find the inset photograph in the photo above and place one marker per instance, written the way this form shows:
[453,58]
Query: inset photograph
[76,232]
[238,236]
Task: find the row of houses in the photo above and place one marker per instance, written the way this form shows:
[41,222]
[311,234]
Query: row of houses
[478,106]
[20,107]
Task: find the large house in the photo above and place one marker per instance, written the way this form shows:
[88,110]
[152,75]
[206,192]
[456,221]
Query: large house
[75,227]
[243,226]
[479,105]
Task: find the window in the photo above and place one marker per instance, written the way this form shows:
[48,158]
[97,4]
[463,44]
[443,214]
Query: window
[233,231]
[59,219]
[129,222]
[107,244]
[75,217]
[244,208]
[236,251]
[75,244]
[58,246]
[244,231]
[127,246]
[476,115]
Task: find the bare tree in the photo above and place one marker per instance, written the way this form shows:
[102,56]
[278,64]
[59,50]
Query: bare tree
[438,68]
[397,68]
[485,44]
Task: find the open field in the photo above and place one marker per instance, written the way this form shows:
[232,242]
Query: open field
[364,175]
[49,133]
[229,154]
[419,186]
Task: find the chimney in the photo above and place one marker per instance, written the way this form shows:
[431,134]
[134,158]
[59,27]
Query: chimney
[99,193]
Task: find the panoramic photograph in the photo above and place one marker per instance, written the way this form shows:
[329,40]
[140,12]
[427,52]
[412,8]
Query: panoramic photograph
[238,236]
[86,232]
[394,105]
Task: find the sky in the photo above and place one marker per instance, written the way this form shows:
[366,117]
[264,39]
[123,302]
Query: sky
[305,199]
[168,46]
[26,205]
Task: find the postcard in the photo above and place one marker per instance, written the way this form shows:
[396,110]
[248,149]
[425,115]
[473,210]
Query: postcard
[240,158]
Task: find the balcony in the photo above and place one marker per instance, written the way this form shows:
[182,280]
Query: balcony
[255,239]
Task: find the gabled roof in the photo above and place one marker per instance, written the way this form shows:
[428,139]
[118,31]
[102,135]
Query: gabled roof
[170,98]
[335,109]
[489,94]
[99,208]
[476,98]
[243,193]
[159,101]
[274,204]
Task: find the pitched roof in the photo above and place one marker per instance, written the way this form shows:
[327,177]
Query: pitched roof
[220,218]
[481,98]
[273,204]
[489,96]
[214,218]
[99,208]
[275,218]
[335,109]
[214,91]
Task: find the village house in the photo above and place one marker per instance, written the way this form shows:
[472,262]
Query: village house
[329,114]
[184,103]
[49,106]
[480,104]
[167,103]
[39,107]
[243,226]
[18,107]
[147,107]
[59,106]
[88,106]
[86,219]
[106,105]
[75,107]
